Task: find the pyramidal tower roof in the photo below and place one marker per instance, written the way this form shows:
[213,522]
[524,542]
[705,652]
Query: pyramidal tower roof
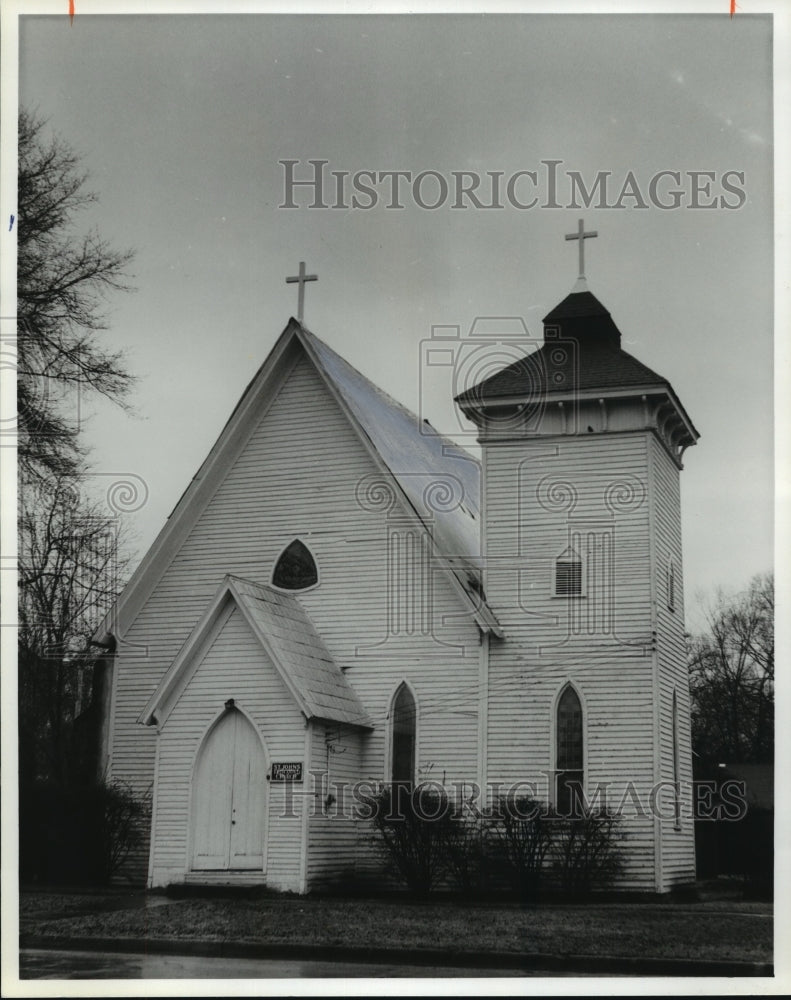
[581,353]
[580,302]
[592,358]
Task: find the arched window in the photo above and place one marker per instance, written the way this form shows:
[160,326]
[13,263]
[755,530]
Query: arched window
[404,724]
[676,785]
[568,756]
[568,580]
[296,568]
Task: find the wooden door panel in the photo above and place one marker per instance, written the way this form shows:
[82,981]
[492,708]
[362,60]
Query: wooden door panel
[213,797]
[249,787]
[229,798]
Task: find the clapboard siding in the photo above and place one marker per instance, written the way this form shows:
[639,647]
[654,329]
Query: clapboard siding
[296,476]
[234,666]
[539,495]
[333,824]
[678,845]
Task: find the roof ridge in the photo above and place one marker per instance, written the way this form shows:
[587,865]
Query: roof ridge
[446,441]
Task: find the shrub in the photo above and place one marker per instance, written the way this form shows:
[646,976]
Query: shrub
[119,817]
[585,850]
[519,839]
[414,828]
[464,845]
[517,845]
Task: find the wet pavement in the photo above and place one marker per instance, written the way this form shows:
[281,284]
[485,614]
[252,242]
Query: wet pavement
[40,963]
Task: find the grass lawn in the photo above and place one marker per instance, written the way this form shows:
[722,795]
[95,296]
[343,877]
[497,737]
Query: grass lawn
[715,930]
[49,905]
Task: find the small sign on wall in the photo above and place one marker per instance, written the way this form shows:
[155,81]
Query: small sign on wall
[291,771]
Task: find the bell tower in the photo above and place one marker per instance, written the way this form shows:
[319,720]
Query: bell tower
[582,451]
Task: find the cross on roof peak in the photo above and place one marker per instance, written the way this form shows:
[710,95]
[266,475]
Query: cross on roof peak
[581,235]
[301,278]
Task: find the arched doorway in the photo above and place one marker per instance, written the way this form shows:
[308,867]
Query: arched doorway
[229,798]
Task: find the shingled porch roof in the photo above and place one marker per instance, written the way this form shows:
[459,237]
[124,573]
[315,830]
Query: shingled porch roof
[288,637]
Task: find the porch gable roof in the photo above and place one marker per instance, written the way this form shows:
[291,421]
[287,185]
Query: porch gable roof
[290,640]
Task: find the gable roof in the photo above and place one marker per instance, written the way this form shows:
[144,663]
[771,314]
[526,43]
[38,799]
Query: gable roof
[416,455]
[393,437]
[288,637]
[439,481]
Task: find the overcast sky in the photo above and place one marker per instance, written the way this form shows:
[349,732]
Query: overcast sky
[182,121]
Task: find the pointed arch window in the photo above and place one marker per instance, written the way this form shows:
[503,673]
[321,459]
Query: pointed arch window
[296,568]
[569,764]
[568,576]
[676,780]
[404,731]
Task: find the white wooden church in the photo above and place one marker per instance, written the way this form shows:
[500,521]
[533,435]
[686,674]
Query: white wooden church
[343,596]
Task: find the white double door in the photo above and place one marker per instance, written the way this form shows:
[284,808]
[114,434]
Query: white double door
[229,798]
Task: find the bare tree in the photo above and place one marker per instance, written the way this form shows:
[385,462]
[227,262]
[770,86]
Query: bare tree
[69,572]
[732,677]
[63,278]
[69,565]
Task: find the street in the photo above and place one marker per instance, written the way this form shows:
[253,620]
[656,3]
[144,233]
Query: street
[39,963]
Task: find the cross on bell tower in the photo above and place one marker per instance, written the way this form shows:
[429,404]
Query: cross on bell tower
[581,235]
[301,278]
